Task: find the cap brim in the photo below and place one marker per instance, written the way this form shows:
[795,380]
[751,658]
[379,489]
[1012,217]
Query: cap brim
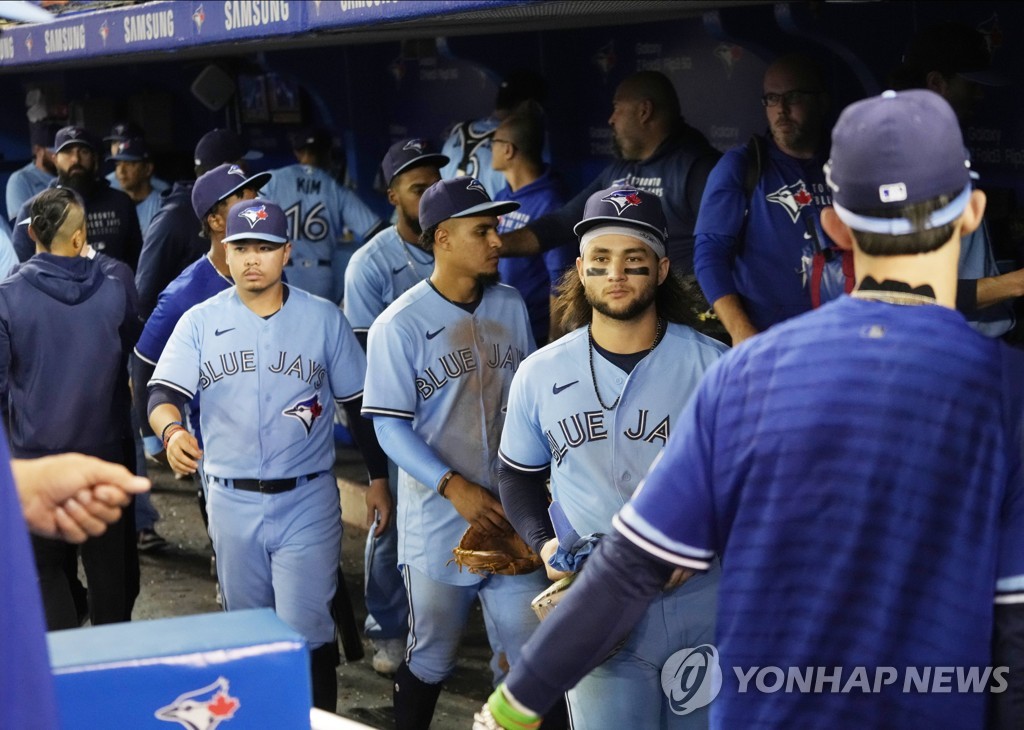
[257,181]
[432,159]
[71,142]
[585,225]
[252,236]
[492,207]
[127,158]
[253,155]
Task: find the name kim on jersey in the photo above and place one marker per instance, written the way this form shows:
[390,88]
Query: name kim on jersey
[588,426]
[244,361]
[462,361]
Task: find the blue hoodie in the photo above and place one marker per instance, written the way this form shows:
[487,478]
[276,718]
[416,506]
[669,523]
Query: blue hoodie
[65,334]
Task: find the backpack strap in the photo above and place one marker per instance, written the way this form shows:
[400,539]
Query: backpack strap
[757,156]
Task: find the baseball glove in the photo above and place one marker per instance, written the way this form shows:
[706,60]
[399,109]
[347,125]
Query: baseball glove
[505,554]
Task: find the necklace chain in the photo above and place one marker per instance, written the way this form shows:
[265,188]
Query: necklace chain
[593,374]
[409,257]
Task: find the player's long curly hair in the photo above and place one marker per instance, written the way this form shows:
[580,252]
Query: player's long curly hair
[674,300]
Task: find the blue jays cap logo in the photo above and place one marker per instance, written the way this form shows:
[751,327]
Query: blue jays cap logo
[793,198]
[306,412]
[202,709]
[236,170]
[414,144]
[254,214]
[622,199]
[476,185]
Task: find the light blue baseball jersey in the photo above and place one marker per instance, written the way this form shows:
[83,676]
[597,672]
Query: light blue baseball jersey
[598,457]
[449,372]
[319,210]
[378,273]
[24,183]
[468,149]
[147,208]
[267,385]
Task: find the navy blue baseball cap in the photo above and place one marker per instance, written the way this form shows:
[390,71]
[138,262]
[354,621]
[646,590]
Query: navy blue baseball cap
[894,150]
[68,136]
[258,220]
[408,153]
[625,206]
[220,182]
[219,146]
[132,149]
[309,137]
[460,197]
[122,131]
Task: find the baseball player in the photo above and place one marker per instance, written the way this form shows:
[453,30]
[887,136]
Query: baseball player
[868,526]
[440,362]
[319,211]
[121,132]
[269,361]
[38,173]
[212,197]
[592,410]
[389,264]
[133,170]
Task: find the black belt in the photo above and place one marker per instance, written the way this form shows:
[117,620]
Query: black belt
[266,486]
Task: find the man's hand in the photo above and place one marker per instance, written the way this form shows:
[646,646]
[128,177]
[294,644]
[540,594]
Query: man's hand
[547,550]
[71,496]
[477,505]
[379,506]
[183,452]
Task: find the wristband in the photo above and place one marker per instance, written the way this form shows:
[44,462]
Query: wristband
[443,484]
[163,434]
[508,716]
[169,432]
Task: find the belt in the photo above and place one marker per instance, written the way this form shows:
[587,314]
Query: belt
[266,486]
[310,263]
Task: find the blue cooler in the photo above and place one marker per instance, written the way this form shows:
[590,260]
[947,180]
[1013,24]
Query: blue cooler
[243,669]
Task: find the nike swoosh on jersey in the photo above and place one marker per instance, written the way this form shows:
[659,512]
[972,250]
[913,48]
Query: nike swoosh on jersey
[432,335]
[556,388]
[218,333]
[400,269]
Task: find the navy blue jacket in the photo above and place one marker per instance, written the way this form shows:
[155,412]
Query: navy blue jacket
[170,244]
[65,334]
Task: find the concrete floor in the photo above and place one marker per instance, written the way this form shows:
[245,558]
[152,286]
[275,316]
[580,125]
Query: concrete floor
[177,582]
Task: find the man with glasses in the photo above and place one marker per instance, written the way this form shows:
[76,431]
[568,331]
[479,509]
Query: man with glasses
[749,246]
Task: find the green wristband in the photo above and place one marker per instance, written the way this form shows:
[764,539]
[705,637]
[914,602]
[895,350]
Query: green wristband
[509,717]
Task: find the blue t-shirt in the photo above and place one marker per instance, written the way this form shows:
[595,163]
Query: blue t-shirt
[859,470]
[766,267]
[24,183]
[535,276]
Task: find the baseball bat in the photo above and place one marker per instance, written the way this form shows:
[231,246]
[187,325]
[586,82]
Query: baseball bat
[345,619]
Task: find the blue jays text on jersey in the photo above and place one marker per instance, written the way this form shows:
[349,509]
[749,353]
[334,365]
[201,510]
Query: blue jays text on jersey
[589,426]
[244,361]
[454,365]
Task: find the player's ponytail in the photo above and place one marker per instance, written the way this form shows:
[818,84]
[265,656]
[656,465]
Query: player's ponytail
[50,211]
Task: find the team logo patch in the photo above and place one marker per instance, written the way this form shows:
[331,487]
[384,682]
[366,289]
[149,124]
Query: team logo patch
[622,199]
[202,709]
[793,198]
[236,170]
[306,411]
[254,215]
[414,144]
[475,184]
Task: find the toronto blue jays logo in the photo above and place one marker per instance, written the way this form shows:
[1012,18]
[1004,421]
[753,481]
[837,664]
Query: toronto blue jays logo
[414,144]
[104,32]
[622,199]
[199,17]
[236,170]
[254,214]
[605,58]
[793,198]
[729,54]
[306,411]
[476,185]
[202,709]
